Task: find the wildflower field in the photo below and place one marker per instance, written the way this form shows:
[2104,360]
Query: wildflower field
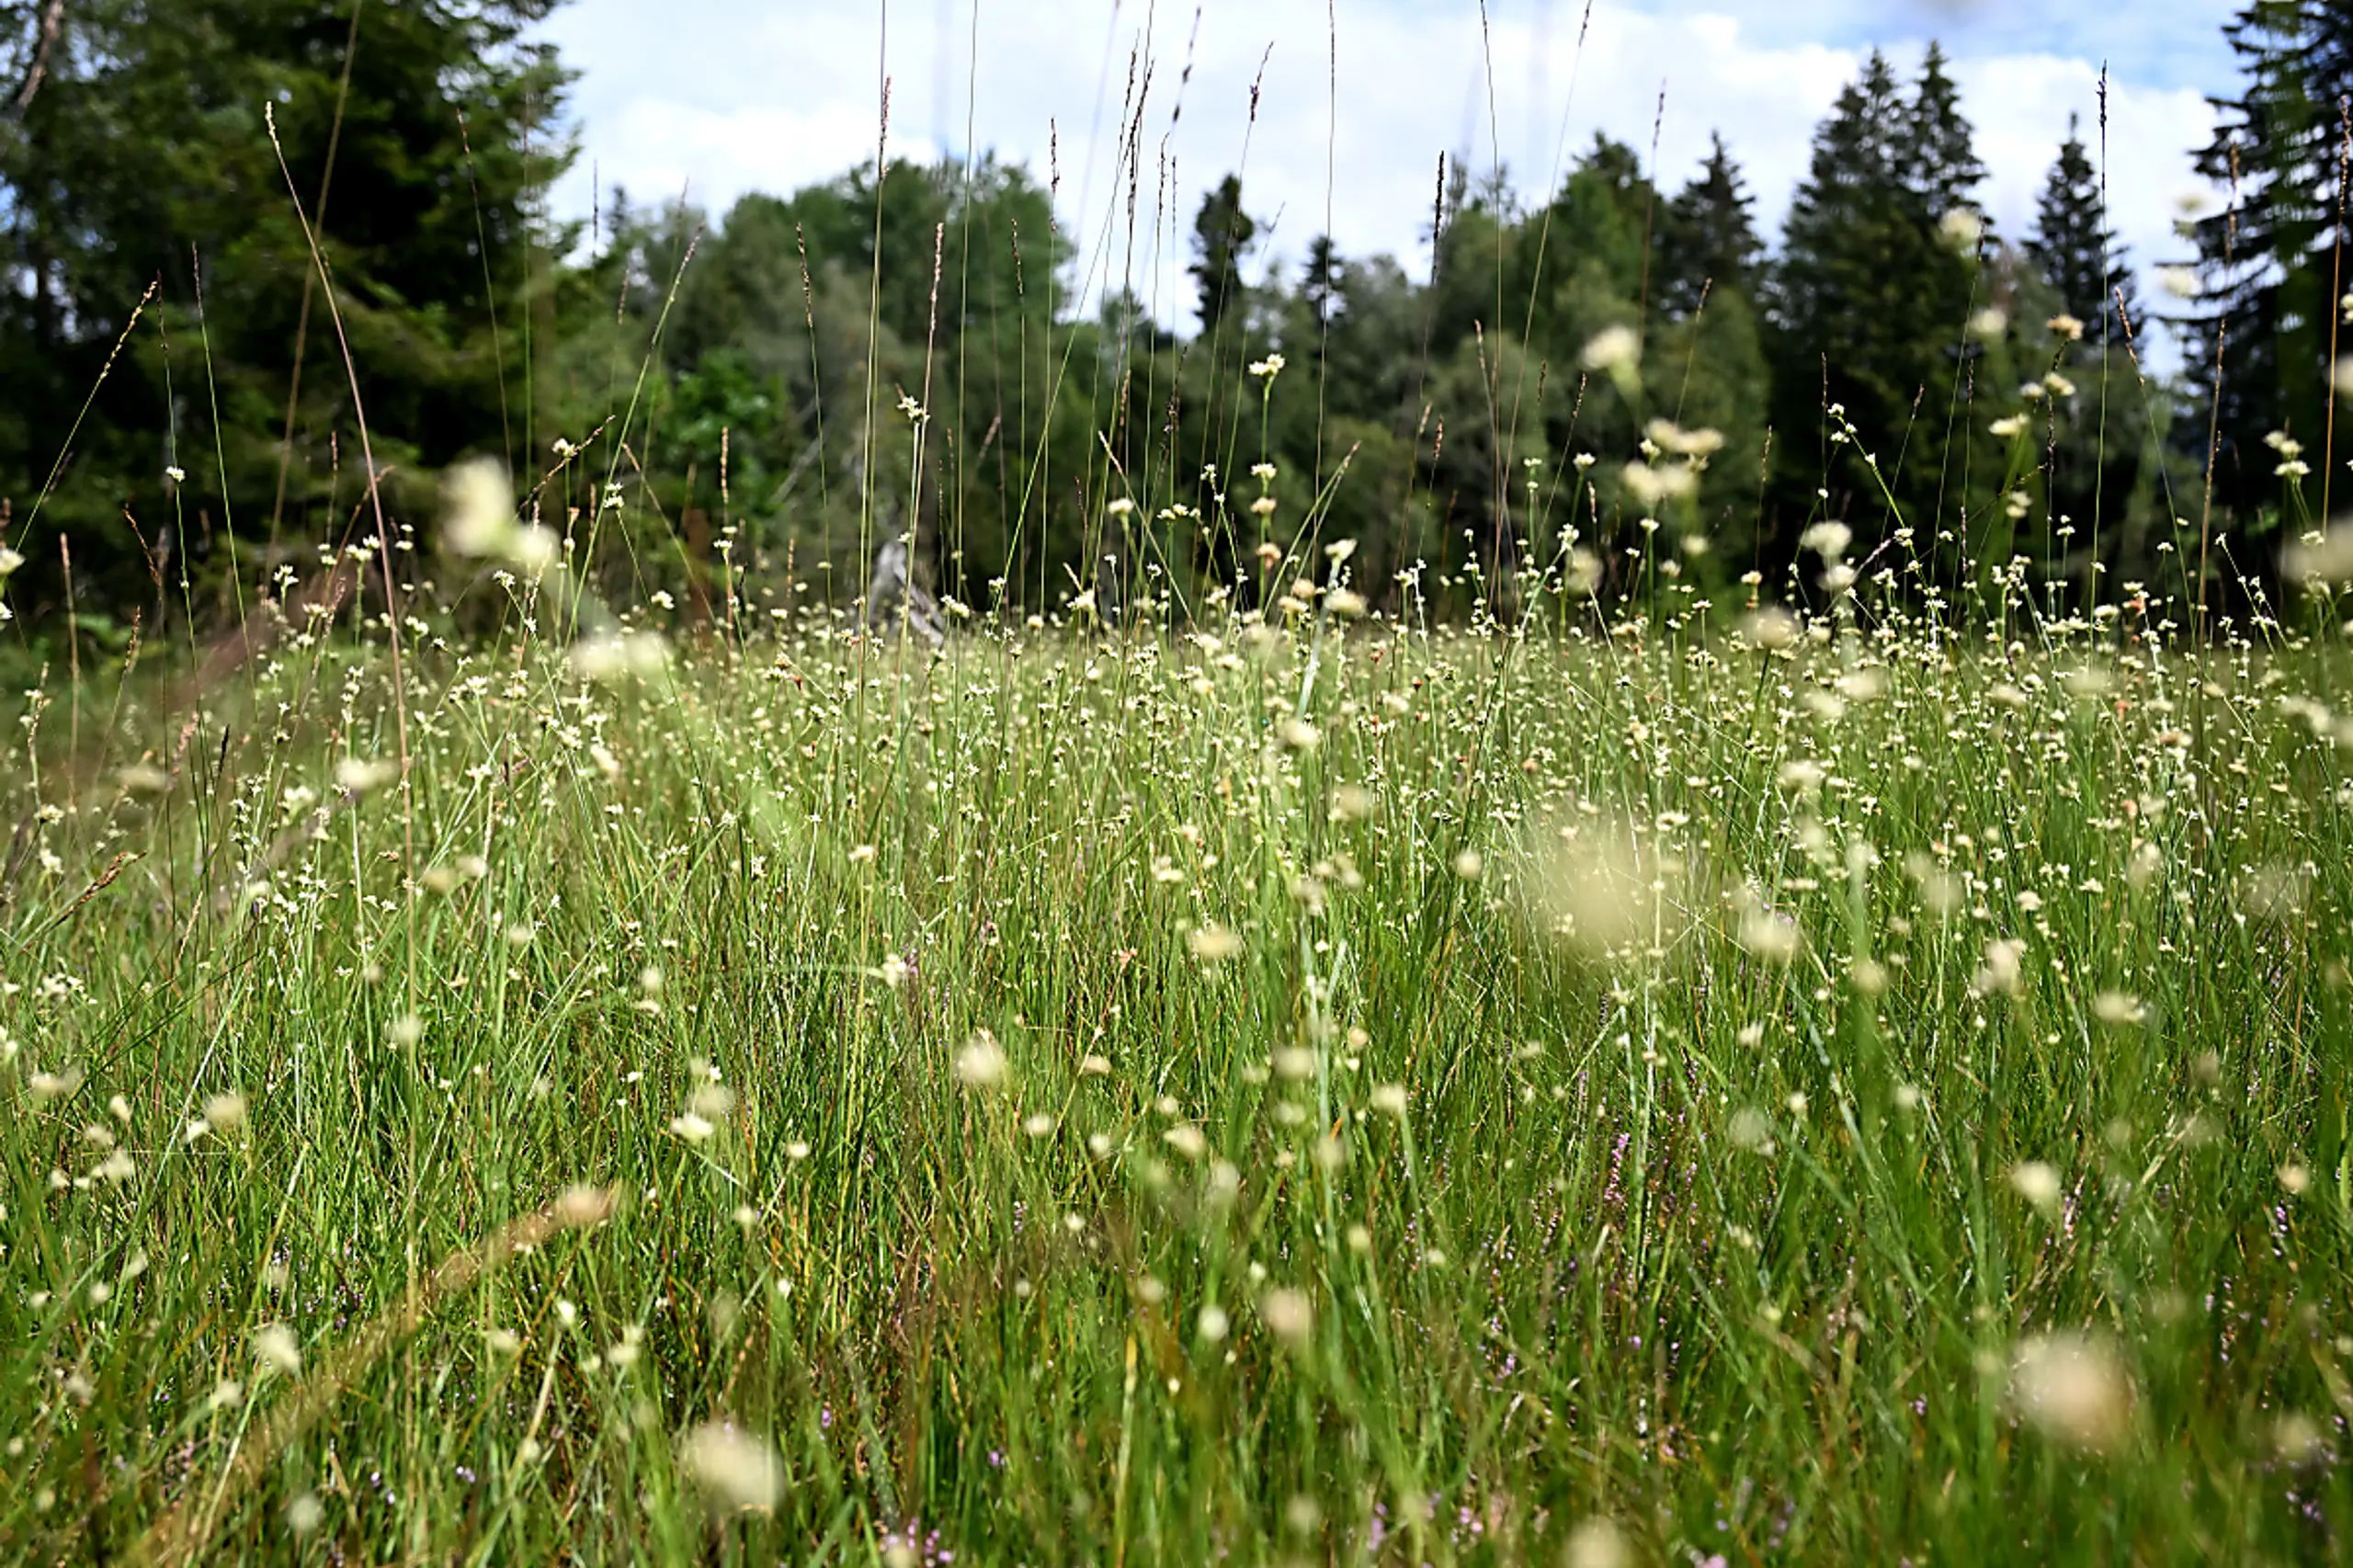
[1587,1086]
[1265,806]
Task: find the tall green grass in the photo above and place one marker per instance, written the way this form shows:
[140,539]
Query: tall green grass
[1609,1088]
[1666,1079]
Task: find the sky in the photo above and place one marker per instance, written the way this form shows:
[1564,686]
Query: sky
[1355,100]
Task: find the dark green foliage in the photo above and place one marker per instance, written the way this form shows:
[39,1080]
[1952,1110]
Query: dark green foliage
[144,160]
[2102,452]
[2263,326]
[1870,304]
[1104,450]
[1221,236]
[1936,158]
[905,351]
[1319,279]
[1706,239]
[2076,250]
[821,333]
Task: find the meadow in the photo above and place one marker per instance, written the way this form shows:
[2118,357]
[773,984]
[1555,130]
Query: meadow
[1616,1080]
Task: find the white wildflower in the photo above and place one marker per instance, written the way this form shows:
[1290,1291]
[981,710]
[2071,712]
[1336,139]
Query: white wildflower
[2037,1183]
[276,1347]
[2073,1388]
[982,1063]
[737,1472]
[1290,1313]
[1213,944]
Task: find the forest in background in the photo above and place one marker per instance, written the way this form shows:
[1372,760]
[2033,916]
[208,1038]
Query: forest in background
[1622,383]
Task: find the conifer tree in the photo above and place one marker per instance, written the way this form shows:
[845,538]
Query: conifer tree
[2261,323]
[1319,278]
[1707,240]
[2073,247]
[143,160]
[1221,236]
[2094,447]
[1846,217]
[1937,160]
[1873,292]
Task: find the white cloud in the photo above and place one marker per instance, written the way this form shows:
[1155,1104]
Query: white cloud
[723,97]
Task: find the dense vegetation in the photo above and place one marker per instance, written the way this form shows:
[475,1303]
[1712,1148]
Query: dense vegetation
[1891,364]
[1619,900]
[1869,1087]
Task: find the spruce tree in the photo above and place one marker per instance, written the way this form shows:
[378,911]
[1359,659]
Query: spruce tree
[1707,240]
[1221,236]
[1320,279]
[1841,281]
[143,159]
[2261,323]
[1935,146]
[1873,294]
[2073,247]
[2093,449]
[1849,209]
[1938,163]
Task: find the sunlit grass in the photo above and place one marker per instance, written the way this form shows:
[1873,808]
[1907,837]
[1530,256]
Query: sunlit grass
[1852,1089]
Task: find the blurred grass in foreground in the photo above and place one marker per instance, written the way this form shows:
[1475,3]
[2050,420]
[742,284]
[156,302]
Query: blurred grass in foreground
[1307,1089]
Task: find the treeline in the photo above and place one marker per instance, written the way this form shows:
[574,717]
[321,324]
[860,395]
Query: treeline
[176,417]
[1894,365]
[1618,383]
